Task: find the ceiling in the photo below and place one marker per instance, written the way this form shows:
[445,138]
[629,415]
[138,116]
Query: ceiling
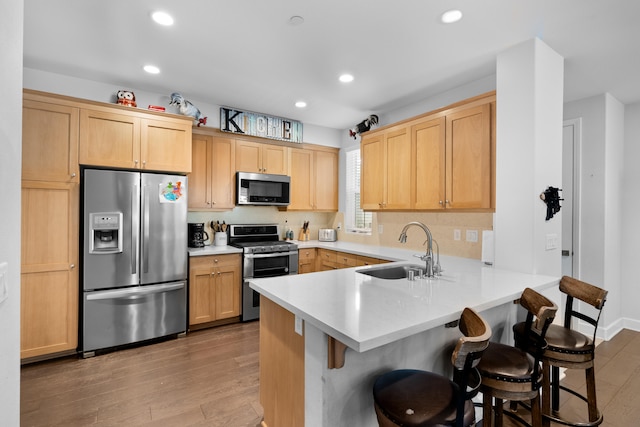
[247,54]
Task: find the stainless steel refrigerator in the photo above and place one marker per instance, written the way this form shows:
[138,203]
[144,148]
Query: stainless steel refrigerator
[134,265]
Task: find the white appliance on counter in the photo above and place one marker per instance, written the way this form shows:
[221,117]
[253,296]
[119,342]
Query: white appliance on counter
[134,258]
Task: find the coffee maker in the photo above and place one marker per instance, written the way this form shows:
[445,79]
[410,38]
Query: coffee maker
[197,235]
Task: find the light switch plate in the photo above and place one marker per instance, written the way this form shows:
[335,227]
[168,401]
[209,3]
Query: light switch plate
[472,236]
[4,287]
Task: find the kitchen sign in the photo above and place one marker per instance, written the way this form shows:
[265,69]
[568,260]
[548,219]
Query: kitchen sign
[262,125]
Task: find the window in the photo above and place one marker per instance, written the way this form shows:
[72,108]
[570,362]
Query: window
[357,221]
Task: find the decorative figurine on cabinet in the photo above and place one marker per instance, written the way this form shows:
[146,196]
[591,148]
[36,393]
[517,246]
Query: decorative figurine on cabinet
[187,108]
[364,126]
[126,97]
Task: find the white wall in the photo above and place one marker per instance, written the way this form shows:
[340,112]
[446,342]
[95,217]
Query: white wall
[105,92]
[529,156]
[630,255]
[601,201]
[11,20]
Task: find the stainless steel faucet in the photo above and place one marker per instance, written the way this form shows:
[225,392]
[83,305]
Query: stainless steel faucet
[428,257]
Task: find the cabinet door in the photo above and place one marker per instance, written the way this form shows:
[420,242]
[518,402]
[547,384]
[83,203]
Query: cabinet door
[429,145]
[223,173]
[302,180]
[306,261]
[227,292]
[248,156]
[165,145]
[372,169]
[49,142]
[326,181]
[49,276]
[397,189]
[201,295]
[275,159]
[200,177]
[109,139]
[468,140]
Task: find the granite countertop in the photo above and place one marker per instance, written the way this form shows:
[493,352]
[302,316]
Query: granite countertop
[364,312]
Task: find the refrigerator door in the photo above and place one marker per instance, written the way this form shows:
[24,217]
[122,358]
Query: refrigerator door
[111,214]
[122,316]
[163,248]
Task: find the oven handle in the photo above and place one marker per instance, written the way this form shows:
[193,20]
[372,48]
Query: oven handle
[273,255]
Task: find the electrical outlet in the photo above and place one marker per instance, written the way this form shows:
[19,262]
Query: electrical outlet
[472,236]
[551,242]
[380,228]
[457,235]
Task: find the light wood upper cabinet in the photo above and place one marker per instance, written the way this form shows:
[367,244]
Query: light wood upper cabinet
[49,141]
[386,170]
[261,158]
[441,160]
[314,180]
[214,288]
[211,182]
[49,273]
[134,140]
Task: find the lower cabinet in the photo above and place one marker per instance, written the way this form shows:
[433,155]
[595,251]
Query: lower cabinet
[333,260]
[306,260]
[214,288]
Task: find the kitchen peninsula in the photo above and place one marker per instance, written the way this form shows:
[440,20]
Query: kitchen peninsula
[326,336]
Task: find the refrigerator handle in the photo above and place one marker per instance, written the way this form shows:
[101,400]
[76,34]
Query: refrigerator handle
[145,229]
[135,196]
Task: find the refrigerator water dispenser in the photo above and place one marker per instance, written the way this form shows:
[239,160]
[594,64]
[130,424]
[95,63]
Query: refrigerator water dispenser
[106,232]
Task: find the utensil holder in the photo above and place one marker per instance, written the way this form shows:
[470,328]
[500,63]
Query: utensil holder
[220,238]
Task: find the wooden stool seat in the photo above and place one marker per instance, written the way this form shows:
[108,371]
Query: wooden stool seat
[571,349]
[415,398]
[513,372]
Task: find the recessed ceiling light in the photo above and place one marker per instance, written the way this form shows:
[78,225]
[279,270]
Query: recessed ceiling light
[151,69]
[451,16]
[296,20]
[301,104]
[162,18]
[346,78]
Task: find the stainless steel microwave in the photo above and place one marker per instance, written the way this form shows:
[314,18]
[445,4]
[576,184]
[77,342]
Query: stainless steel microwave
[262,189]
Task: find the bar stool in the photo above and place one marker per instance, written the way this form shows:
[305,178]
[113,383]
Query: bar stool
[409,397]
[568,348]
[514,373]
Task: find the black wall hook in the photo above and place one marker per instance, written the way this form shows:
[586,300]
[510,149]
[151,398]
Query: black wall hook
[552,198]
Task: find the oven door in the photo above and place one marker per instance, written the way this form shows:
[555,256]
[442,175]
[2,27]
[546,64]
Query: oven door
[260,266]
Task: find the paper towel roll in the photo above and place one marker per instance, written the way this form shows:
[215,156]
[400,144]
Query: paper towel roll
[487,247]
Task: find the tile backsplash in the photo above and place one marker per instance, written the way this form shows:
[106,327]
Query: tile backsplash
[386,226]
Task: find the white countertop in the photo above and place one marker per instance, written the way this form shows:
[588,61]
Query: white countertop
[214,250]
[364,312]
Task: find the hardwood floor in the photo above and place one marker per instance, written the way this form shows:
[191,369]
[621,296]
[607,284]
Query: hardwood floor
[210,378]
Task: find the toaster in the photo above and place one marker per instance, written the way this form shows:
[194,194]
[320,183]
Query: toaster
[327,235]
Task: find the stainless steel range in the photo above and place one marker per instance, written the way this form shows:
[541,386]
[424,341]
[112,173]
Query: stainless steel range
[264,255]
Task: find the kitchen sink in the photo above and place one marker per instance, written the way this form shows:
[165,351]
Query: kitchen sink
[391,272]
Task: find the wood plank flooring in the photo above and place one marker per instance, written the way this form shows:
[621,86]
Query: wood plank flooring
[210,378]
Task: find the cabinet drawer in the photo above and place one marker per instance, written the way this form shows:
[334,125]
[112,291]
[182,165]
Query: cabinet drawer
[327,255]
[304,254]
[365,260]
[209,261]
[344,259]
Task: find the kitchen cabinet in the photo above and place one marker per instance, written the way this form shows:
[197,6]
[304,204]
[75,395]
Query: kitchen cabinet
[440,160]
[314,179]
[261,158]
[118,138]
[49,273]
[332,260]
[386,170]
[362,260]
[214,288]
[306,260]
[49,141]
[211,182]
